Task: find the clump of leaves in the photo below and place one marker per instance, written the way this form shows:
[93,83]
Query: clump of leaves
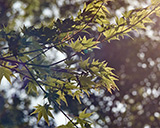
[26,50]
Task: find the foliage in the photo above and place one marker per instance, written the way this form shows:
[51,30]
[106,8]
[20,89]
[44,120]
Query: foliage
[137,103]
[26,55]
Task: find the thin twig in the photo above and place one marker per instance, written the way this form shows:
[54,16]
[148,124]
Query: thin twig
[23,53]
[132,25]
[64,113]
[33,77]
[47,93]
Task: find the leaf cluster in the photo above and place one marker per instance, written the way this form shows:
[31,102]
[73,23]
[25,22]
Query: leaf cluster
[26,55]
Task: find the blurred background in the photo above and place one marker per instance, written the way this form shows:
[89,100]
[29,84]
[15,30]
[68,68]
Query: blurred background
[136,62]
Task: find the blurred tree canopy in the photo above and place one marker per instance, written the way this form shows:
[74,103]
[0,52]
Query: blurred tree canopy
[78,34]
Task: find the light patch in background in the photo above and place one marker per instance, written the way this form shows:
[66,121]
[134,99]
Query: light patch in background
[60,119]
[54,54]
[47,12]
[17,7]
[136,3]
[55,11]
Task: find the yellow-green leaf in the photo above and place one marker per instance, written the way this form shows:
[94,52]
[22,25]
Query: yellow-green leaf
[6,73]
[43,111]
[32,87]
[50,114]
[62,97]
[83,114]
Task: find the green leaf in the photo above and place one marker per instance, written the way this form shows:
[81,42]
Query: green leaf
[84,64]
[43,111]
[78,98]
[77,94]
[5,72]
[83,114]
[62,96]
[86,82]
[32,87]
